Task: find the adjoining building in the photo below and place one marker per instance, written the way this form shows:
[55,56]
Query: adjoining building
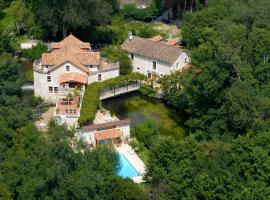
[113,132]
[154,57]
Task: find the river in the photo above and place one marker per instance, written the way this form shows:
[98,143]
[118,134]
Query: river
[139,108]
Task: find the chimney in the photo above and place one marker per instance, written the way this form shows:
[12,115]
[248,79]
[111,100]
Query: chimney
[130,36]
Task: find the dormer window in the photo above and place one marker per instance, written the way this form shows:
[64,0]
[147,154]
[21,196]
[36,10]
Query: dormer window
[67,68]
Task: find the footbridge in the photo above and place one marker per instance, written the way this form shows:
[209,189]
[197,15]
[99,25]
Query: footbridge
[115,91]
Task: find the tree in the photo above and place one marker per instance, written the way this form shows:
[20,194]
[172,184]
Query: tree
[146,133]
[70,15]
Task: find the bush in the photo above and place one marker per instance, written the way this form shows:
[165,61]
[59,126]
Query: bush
[146,133]
[147,91]
[130,11]
[35,52]
[91,99]
[116,54]
[121,27]
[36,101]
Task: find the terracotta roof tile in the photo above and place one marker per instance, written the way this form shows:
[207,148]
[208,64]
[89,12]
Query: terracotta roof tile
[108,134]
[154,50]
[156,38]
[73,77]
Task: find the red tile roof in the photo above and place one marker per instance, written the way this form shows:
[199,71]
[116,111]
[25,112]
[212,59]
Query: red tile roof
[73,77]
[108,134]
[156,38]
[71,49]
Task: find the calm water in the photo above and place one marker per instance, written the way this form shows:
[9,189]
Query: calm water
[126,170]
[140,108]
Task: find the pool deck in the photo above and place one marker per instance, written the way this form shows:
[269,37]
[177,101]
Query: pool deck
[134,159]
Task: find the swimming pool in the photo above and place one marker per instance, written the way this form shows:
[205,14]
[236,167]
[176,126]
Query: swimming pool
[126,170]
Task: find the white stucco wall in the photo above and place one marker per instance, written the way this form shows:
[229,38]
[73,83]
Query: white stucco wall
[142,64]
[42,85]
[104,76]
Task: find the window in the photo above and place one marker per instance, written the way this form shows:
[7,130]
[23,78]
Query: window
[74,111]
[161,75]
[176,65]
[49,79]
[55,89]
[50,89]
[138,68]
[154,65]
[67,68]
[99,77]
[66,111]
[70,111]
[132,56]
[90,66]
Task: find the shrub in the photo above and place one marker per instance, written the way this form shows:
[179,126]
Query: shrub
[36,101]
[130,11]
[91,99]
[147,91]
[35,52]
[121,27]
[116,54]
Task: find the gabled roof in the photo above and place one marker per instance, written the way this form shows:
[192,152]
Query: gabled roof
[157,50]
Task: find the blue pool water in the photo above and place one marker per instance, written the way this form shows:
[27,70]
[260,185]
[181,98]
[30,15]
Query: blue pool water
[126,170]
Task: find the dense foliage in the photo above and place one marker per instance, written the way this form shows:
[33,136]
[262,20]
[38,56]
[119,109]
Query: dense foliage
[146,133]
[116,54]
[35,52]
[65,16]
[130,11]
[91,99]
[225,94]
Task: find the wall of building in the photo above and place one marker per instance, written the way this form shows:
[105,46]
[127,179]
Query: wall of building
[182,60]
[143,64]
[42,85]
[104,76]
[89,136]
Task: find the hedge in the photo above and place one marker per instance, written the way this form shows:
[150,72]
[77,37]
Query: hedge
[91,99]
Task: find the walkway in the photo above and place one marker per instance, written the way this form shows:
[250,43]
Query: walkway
[119,91]
[134,159]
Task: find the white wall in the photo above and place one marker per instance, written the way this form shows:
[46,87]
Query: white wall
[104,76]
[182,60]
[144,64]
[42,85]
